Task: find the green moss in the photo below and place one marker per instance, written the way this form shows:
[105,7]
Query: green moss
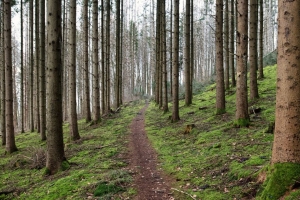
[47,172]
[104,188]
[242,122]
[220,111]
[281,178]
[65,165]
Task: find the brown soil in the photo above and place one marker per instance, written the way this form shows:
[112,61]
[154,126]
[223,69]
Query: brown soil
[150,181]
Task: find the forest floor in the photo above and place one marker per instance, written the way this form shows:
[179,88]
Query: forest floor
[138,153]
[151,182]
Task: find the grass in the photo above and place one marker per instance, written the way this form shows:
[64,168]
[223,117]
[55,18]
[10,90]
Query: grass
[216,160]
[96,163]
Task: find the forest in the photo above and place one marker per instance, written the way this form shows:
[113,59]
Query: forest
[163,99]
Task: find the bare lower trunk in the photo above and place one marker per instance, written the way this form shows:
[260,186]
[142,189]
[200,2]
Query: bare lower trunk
[72,74]
[55,145]
[10,132]
[242,116]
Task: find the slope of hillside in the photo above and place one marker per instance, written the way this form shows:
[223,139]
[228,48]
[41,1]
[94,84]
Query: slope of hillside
[210,157]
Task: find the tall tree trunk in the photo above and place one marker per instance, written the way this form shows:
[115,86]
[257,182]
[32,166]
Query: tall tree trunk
[286,147]
[103,82]
[261,40]
[10,132]
[187,51]
[175,61]
[192,50]
[96,100]
[231,43]
[107,56]
[118,56]
[220,96]
[160,45]
[121,57]
[86,62]
[242,115]
[164,56]
[287,123]
[157,53]
[22,73]
[253,49]
[72,74]
[171,48]
[37,58]
[226,45]
[55,146]
[31,97]
[42,72]
[3,123]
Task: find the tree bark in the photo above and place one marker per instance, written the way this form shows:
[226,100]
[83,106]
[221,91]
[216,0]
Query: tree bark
[86,62]
[2,75]
[96,100]
[220,89]
[157,53]
[242,115]
[187,51]
[118,56]
[37,58]
[231,43]
[42,72]
[103,67]
[22,73]
[226,44]
[286,146]
[253,50]
[55,145]
[192,74]
[10,132]
[261,39]
[107,56]
[164,60]
[72,74]
[175,65]
[31,97]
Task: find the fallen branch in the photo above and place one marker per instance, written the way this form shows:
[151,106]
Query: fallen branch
[7,192]
[183,193]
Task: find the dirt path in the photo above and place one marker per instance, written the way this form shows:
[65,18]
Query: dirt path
[149,181]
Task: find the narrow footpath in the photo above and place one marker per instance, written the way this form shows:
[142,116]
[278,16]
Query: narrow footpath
[150,181]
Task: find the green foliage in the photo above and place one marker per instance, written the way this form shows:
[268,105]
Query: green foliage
[281,178]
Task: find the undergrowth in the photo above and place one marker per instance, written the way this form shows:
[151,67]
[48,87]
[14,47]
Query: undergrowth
[216,160]
[96,163]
